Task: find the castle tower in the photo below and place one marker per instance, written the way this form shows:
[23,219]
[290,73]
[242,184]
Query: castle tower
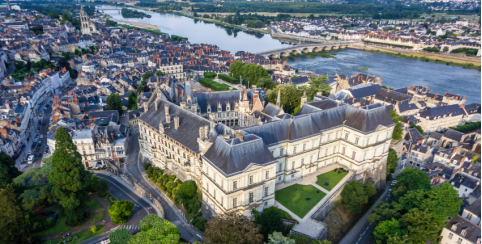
[84,20]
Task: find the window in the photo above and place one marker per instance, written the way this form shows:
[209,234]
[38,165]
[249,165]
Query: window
[311,159]
[451,235]
[214,194]
[334,150]
[459,241]
[293,165]
[463,232]
[353,155]
[294,149]
[326,152]
[235,185]
[250,179]
[281,151]
[235,202]
[356,140]
[377,138]
[343,151]
[266,191]
[222,200]
[280,167]
[304,147]
[302,161]
[346,136]
[469,216]
[328,139]
[251,197]
[267,175]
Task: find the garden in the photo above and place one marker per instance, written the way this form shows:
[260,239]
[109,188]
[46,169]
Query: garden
[78,237]
[209,83]
[184,195]
[330,179]
[299,199]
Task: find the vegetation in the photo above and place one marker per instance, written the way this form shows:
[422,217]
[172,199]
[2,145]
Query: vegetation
[330,179]
[215,86]
[228,78]
[132,101]
[12,222]
[468,127]
[432,49]
[130,13]
[120,211]
[467,51]
[250,73]
[114,102]
[299,199]
[8,171]
[153,229]
[388,44]
[417,213]
[278,238]
[317,84]
[183,194]
[67,178]
[355,195]
[363,68]
[268,221]
[232,228]
[79,237]
[392,162]
[210,75]
[398,130]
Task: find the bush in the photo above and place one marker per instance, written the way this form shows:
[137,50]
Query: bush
[93,228]
[188,189]
[213,84]
[146,166]
[210,75]
[228,78]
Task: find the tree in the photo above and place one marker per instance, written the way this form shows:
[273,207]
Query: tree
[236,69]
[154,229]
[269,221]
[397,131]
[68,177]
[114,102]
[265,82]
[93,228]
[278,238]
[418,127]
[384,211]
[132,100]
[120,236]
[159,73]
[421,226]
[8,171]
[119,211]
[147,75]
[446,49]
[290,97]
[317,84]
[386,229]
[12,222]
[355,195]
[187,190]
[392,161]
[232,228]
[410,179]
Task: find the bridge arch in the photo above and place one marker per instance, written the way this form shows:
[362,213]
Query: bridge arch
[284,54]
[334,47]
[315,49]
[306,50]
[294,52]
[326,48]
[273,56]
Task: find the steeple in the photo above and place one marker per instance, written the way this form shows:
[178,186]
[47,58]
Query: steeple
[278,100]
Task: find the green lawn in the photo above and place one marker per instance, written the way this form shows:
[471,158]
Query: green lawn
[107,197]
[81,236]
[294,198]
[209,83]
[96,212]
[331,177]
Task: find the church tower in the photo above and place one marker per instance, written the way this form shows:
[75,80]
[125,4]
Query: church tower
[84,20]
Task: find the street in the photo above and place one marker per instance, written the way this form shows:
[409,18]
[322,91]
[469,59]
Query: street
[171,213]
[121,192]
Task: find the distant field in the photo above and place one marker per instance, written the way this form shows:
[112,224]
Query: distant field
[270,14]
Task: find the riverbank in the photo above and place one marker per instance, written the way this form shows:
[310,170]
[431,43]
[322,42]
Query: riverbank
[223,23]
[471,63]
[139,24]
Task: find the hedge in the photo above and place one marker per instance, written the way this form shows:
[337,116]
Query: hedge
[228,78]
[467,127]
[209,83]
[209,75]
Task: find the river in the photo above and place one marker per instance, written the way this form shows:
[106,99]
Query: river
[396,72]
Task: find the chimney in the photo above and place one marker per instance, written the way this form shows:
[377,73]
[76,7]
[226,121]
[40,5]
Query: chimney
[388,90]
[446,93]
[462,106]
[230,88]
[176,122]
[166,110]
[201,133]
[209,89]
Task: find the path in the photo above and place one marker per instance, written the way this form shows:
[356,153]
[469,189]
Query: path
[106,221]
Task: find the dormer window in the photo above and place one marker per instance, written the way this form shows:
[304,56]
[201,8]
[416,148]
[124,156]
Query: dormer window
[454,227]
[463,232]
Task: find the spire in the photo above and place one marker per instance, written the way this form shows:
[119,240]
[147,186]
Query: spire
[278,100]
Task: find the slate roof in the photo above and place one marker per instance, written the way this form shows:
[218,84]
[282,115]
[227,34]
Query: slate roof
[453,134]
[365,90]
[205,99]
[235,156]
[460,179]
[473,230]
[414,135]
[292,129]
[189,123]
[474,207]
[433,112]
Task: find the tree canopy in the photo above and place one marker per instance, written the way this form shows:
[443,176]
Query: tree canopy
[8,171]
[356,194]
[398,130]
[132,100]
[68,177]
[410,179]
[269,221]
[290,97]
[232,228]
[187,190]
[119,211]
[114,103]
[12,219]
[392,161]
[317,84]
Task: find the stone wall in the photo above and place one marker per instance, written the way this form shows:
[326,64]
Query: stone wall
[158,205]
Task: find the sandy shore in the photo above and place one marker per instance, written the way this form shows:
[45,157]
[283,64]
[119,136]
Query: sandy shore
[138,24]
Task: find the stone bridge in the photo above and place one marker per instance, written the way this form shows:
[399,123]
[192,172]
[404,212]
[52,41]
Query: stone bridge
[306,48]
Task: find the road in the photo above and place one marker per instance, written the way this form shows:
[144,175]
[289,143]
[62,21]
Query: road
[141,207]
[170,212]
[361,233]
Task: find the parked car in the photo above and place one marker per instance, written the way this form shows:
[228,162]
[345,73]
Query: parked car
[34,144]
[39,155]
[31,158]
[41,136]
